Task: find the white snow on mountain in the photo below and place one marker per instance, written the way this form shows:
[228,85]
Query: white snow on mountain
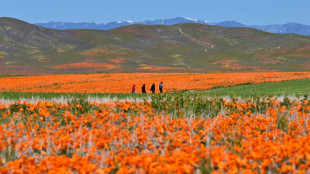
[191,19]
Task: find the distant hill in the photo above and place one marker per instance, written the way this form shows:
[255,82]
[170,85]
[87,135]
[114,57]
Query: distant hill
[31,49]
[286,28]
[116,24]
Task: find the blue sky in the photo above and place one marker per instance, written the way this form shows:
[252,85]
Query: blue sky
[244,11]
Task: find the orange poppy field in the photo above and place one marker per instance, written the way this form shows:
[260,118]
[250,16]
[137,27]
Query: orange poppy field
[258,135]
[169,133]
[122,83]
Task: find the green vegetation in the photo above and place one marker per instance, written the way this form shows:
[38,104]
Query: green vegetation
[42,96]
[140,48]
[211,102]
[285,88]
[3,76]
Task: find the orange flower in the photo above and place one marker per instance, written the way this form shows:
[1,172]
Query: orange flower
[108,139]
[121,82]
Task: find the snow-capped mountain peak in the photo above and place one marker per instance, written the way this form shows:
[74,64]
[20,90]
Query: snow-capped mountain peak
[190,19]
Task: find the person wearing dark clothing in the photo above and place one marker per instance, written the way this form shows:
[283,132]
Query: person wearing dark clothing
[153,88]
[161,85]
[143,89]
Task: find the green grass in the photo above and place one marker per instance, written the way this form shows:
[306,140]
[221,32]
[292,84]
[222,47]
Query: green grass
[3,76]
[19,95]
[285,88]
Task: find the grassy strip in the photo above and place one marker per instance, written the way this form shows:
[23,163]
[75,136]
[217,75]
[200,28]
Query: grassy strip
[4,76]
[285,88]
[20,95]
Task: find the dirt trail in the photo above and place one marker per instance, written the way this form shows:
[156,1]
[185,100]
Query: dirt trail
[196,40]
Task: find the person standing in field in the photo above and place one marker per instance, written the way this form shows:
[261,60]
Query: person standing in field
[153,88]
[143,89]
[161,85]
[133,90]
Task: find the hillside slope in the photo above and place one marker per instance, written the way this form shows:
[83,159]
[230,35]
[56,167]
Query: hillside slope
[284,28]
[30,49]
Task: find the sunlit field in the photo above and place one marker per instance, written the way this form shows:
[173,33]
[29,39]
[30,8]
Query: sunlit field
[205,129]
[122,83]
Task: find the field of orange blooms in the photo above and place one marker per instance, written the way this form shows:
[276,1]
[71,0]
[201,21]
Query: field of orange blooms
[170,134]
[122,83]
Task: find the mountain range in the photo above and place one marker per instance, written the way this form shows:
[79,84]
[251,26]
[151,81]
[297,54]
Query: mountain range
[190,47]
[285,28]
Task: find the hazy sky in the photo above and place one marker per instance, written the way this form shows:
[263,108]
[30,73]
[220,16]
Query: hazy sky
[244,11]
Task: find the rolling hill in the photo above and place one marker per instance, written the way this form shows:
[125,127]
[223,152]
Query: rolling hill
[289,28]
[30,49]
